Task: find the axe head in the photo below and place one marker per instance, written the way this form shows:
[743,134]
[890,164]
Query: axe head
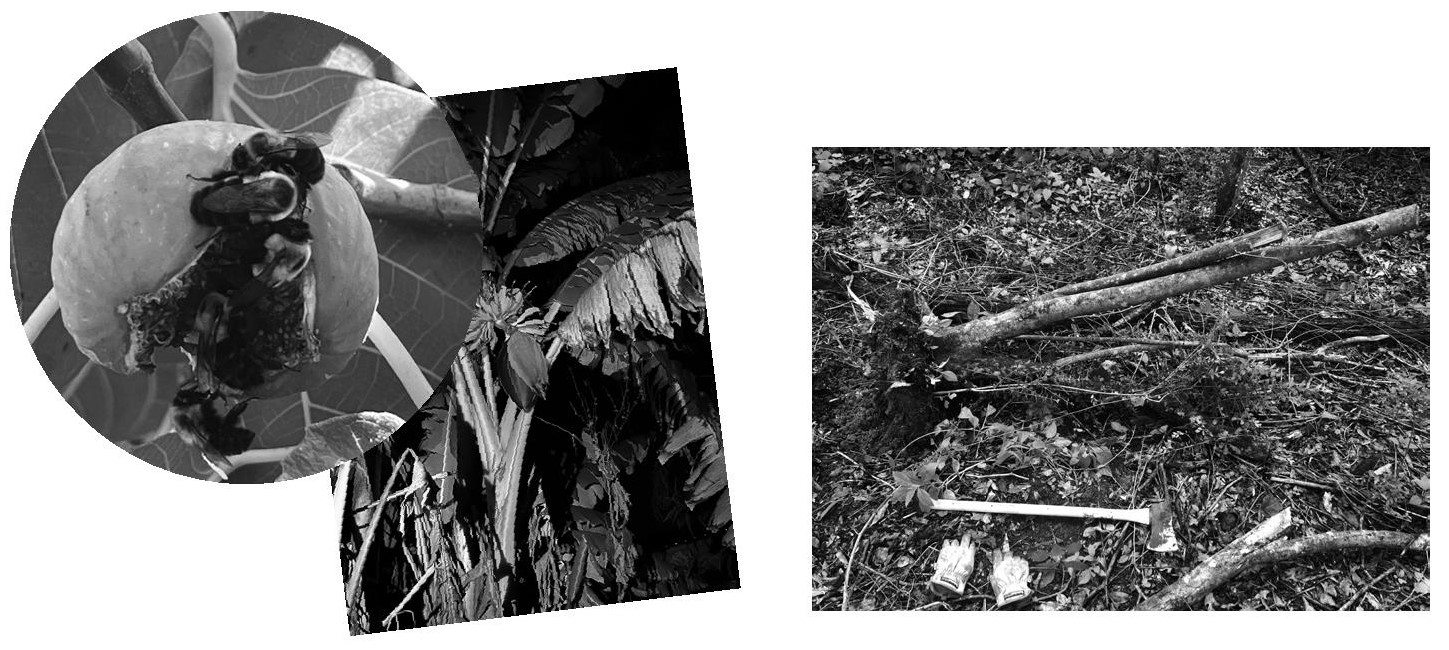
[1160,534]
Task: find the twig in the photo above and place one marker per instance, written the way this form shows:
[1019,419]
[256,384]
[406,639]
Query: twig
[1300,483]
[354,581]
[1313,186]
[1119,351]
[1118,339]
[411,592]
[850,563]
[508,171]
[877,269]
[1348,604]
[866,310]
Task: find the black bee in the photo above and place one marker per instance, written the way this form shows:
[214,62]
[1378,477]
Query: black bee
[288,246]
[224,358]
[241,200]
[297,154]
[204,420]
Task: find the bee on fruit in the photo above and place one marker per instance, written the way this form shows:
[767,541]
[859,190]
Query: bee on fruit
[288,246]
[205,420]
[296,153]
[241,200]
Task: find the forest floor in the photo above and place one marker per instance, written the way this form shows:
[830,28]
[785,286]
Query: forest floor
[900,234]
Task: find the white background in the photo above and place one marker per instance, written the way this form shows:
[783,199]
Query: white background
[102,549]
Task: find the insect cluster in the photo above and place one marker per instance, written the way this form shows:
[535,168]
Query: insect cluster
[252,291]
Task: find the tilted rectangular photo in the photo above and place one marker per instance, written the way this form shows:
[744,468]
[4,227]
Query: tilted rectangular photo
[572,456]
[1102,378]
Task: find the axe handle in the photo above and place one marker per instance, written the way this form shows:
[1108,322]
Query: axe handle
[1140,515]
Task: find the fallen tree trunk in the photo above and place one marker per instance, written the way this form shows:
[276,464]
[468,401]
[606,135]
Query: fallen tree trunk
[1258,548]
[1196,259]
[968,338]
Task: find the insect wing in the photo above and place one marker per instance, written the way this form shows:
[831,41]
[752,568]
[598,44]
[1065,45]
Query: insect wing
[268,195]
[308,139]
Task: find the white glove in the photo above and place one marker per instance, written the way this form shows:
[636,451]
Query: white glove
[954,566]
[1010,576]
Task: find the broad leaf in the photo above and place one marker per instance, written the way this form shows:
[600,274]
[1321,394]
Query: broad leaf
[644,274]
[582,223]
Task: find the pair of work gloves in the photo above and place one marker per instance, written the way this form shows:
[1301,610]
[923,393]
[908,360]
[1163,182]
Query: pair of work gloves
[1009,574]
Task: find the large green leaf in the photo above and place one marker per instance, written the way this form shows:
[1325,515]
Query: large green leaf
[428,278]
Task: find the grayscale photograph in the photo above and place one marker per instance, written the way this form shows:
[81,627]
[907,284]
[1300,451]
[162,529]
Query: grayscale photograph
[1104,378]
[245,247]
[573,456]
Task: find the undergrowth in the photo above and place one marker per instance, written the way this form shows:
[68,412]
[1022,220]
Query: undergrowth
[958,233]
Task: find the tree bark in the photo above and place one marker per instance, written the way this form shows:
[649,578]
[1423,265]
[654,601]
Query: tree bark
[1258,548]
[1228,191]
[1215,253]
[969,338]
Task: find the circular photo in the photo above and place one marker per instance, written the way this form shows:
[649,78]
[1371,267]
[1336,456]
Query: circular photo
[246,246]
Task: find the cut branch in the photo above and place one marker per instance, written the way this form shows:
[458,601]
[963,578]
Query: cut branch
[421,204]
[969,338]
[130,79]
[1258,548]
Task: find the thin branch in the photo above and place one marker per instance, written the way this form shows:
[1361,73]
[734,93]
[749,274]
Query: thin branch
[354,581]
[420,204]
[512,164]
[1314,188]
[854,547]
[411,592]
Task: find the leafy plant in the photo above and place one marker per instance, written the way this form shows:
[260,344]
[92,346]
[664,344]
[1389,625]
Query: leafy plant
[574,455]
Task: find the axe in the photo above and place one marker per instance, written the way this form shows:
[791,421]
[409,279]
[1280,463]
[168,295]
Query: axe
[1157,517]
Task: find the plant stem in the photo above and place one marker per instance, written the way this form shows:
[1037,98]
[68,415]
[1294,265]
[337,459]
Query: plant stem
[422,204]
[224,68]
[397,357]
[41,316]
[130,80]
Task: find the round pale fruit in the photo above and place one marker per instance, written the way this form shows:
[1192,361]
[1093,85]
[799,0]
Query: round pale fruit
[127,231]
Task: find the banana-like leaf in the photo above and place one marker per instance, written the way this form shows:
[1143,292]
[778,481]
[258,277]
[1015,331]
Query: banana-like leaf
[708,477]
[693,430]
[643,275]
[582,223]
[670,388]
[698,440]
